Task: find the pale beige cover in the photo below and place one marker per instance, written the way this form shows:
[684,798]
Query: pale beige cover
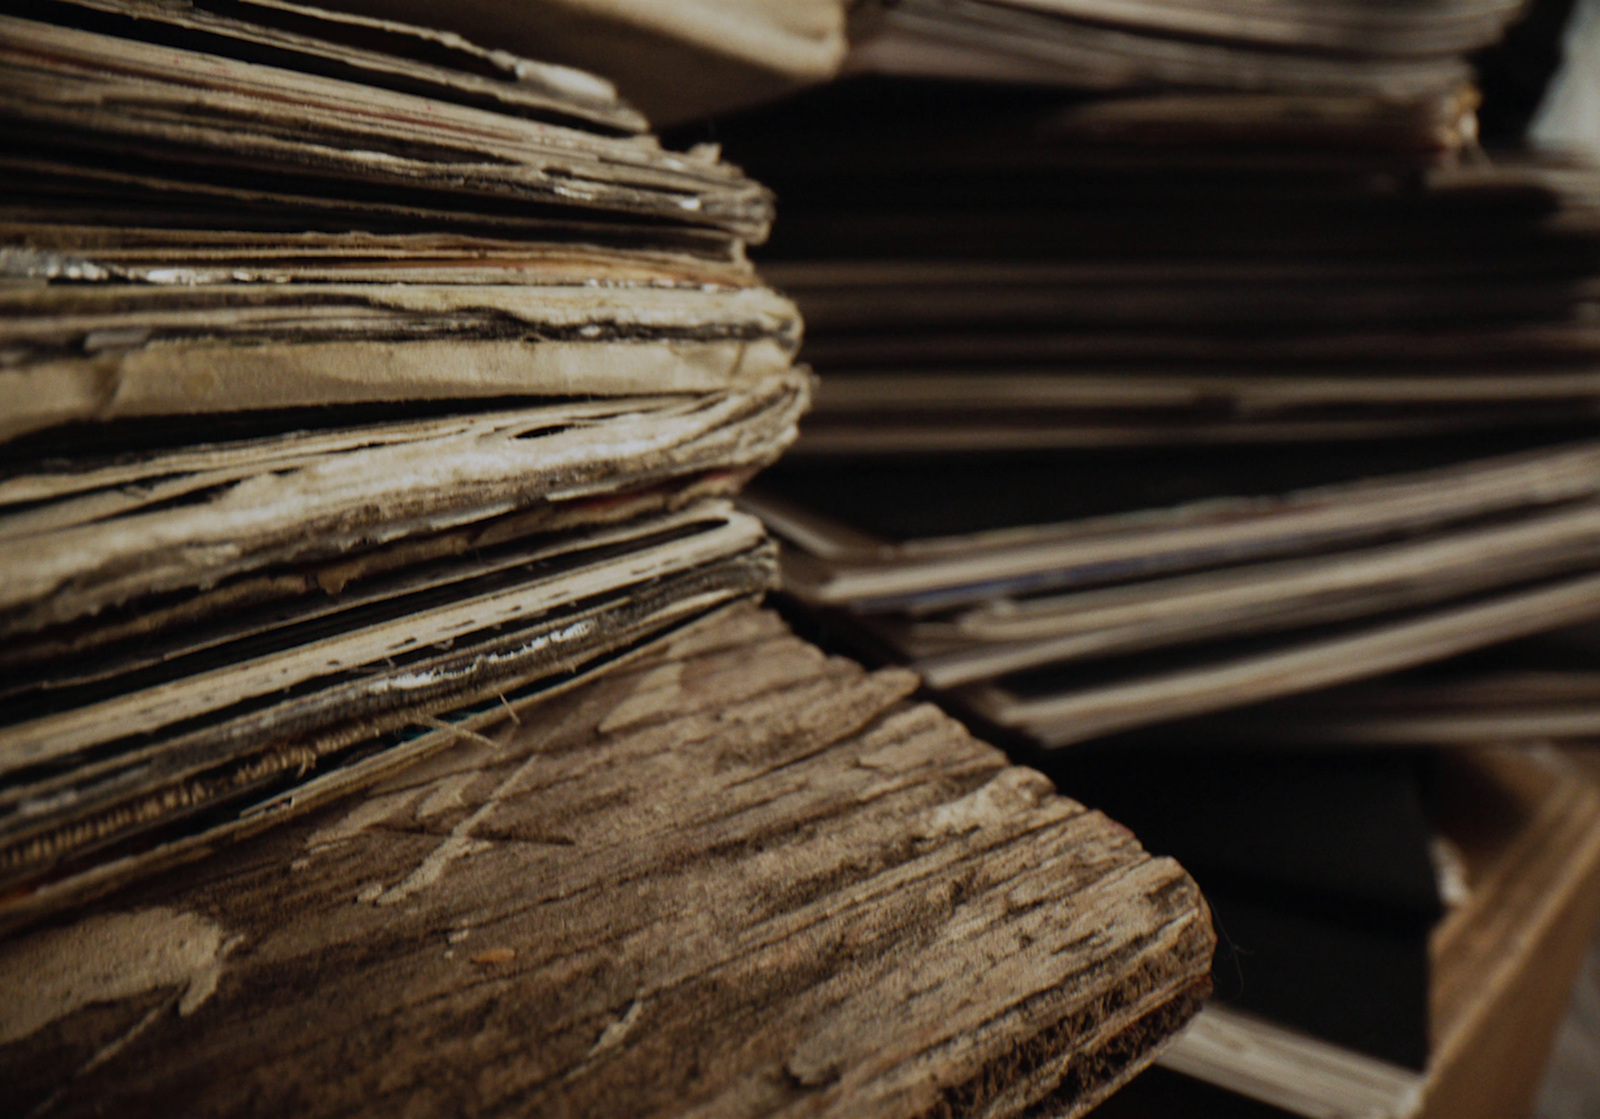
[676,61]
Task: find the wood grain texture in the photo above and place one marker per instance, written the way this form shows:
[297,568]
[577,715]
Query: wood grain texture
[734,878]
[1527,822]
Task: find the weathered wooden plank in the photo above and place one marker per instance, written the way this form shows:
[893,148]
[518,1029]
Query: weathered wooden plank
[735,878]
[1527,823]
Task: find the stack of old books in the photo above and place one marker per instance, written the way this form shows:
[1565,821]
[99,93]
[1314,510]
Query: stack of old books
[370,407]
[1180,357]
[359,385]
[1138,408]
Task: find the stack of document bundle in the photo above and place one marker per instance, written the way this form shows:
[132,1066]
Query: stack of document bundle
[1274,46]
[1139,407]
[356,386]
[1537,691]
[1071,630]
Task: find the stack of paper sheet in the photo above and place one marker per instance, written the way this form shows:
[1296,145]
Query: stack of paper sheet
[1140,406]
[358,384]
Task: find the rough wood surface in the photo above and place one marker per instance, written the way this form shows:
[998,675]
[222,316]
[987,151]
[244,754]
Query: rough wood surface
[735,878]
[1527,823]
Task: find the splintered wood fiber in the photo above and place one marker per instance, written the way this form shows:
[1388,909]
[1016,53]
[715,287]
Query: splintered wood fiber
[735,878]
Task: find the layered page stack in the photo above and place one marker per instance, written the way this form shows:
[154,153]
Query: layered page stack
[371,407]
[1539,690]
[358,386]
[1343,48]
[1139,407]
